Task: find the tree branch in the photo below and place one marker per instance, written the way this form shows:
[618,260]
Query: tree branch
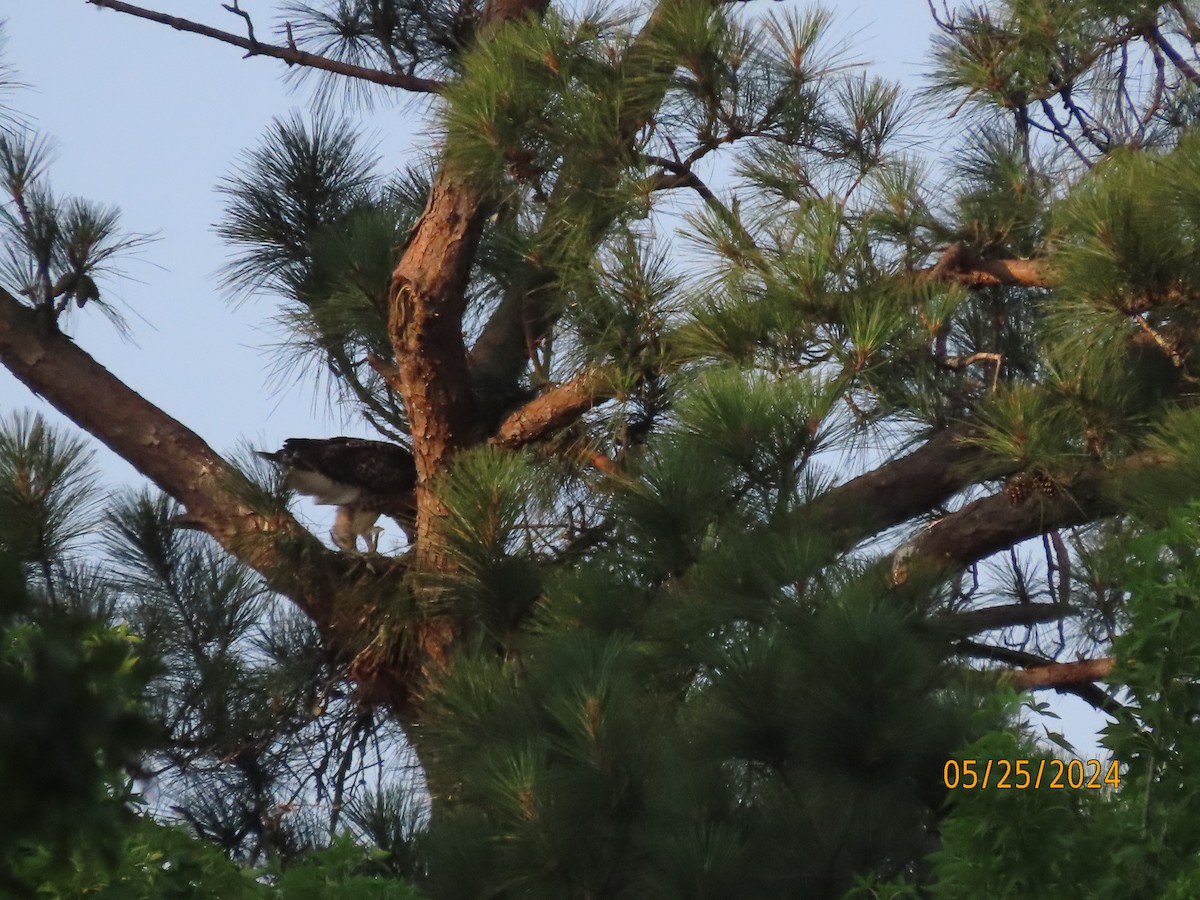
[500,354]
[426,307]
[1037,668]
[958,264]
[427,301]
[680,176]
[996,523]
[1061,675]
[175,458]
[973,621]
[554,409]
[898,490]
[1185,68]
[290,559]
[290,54]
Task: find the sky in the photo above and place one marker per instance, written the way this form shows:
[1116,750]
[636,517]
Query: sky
[150,119]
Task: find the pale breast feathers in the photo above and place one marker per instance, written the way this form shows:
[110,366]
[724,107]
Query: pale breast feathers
[362,478]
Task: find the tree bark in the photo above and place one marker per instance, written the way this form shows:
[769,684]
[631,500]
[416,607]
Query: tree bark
[972,621]
[959,264]
[1060,675]
[905,487]
[174,458]
[558,407]
[995,522]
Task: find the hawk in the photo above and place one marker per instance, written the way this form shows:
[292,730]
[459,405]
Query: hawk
[363,479]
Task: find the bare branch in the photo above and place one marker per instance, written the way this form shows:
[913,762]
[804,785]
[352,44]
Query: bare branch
[288,54]
[680,175]
[1087,690]
[238,11]
[173,457]
[1158,339]
[291,560]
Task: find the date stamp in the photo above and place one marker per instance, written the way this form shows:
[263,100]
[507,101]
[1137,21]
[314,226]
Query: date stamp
[1026,774]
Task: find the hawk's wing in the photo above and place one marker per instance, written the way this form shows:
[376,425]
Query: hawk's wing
[341,471]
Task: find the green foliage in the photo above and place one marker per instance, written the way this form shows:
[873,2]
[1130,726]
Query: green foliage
[766,428]
[1129,240]
[622,311]
[70,726]
[55,250]
[578,770]
[534,94]
[47,489]
[1001,201]
[1138,840]
[709,705]
[167,656]
[159,861]
[1011,53]
[1024,426]
[72,682]
[312,220]
[495,502]
[673,678]
[299,181]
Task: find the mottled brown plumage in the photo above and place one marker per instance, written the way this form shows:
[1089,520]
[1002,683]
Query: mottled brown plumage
[363,479]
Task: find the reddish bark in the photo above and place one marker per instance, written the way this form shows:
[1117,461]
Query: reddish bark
[559,406]
[1060,675]
[960,265]
[428,298]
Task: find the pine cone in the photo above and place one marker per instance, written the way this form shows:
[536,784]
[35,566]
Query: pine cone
[1018,489]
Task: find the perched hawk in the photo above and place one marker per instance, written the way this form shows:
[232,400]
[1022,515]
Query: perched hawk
[363,479]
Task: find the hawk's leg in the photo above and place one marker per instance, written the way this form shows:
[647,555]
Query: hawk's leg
[371,538]
[350,524]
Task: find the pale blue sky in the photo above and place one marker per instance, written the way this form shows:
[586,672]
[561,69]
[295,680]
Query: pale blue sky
[150,119]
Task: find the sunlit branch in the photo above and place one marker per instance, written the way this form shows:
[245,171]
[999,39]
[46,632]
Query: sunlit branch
[1035,672]
[554,409]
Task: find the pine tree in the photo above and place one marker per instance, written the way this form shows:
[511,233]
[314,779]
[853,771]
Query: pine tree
[720,515]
